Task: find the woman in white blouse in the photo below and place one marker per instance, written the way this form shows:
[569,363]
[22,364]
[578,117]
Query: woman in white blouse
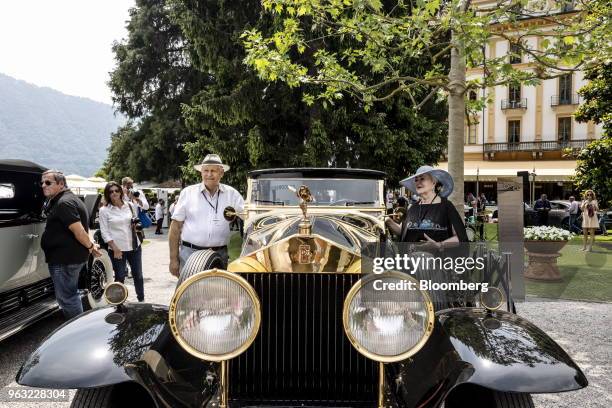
[116,228]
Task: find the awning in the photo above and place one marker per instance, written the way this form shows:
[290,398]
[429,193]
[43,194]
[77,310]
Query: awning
[490,170]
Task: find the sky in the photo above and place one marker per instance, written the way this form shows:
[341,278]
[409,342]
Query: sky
[62,44]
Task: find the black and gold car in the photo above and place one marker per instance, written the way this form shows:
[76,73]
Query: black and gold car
[289,324]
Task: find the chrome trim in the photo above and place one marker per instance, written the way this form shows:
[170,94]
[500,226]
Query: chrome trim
[204,275]
[408,353]
[125,291]
[492,307]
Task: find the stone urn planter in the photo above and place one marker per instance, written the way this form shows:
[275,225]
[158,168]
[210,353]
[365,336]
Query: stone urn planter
[543,245]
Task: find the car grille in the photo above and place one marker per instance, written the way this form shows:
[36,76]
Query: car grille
[301,355]
[23,296]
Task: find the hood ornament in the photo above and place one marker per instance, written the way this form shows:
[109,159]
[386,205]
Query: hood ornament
[305,196]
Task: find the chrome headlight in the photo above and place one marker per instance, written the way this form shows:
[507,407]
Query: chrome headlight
[115,293]
[388,325]
[215,315]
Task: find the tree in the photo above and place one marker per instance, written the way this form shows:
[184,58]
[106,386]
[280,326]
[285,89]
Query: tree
[153,77]
[594,165]
[181,81]
[378,37]
[254,124]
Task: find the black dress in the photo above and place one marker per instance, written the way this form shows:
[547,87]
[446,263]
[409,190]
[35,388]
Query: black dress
[436,220]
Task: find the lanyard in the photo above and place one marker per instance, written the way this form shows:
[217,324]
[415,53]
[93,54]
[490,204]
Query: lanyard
[216,206]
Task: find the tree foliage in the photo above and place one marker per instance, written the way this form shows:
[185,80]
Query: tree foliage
[181,79]
[594,162]
[153,77]
[381,35]
[254,124]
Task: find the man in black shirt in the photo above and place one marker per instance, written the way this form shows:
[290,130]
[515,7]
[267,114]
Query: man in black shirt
[66,241]
[542,207]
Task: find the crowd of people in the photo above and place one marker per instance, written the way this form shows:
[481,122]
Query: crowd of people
[197,222]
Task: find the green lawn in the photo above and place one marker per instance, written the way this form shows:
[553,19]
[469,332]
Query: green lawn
[586,275]
[234,247]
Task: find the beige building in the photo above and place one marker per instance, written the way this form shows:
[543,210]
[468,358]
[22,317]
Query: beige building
[526,128]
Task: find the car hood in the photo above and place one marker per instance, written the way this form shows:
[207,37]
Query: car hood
[273,243]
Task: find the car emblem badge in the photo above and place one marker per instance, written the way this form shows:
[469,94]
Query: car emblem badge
[305,254]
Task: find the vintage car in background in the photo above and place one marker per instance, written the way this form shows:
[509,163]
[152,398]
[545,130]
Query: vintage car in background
[289,322]
[26,289]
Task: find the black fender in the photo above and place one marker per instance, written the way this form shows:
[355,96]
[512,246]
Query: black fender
[506,352]
[130,343]
[496,350]
[92,349]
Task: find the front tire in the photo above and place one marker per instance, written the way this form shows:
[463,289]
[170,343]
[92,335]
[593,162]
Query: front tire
[479,397]
[199,261]
[113,396]
[93,398]
[100,274]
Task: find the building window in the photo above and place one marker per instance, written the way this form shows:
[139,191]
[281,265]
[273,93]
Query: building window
[564,129]
[565,89]
[472,95]
[471,134]
[515,54]
[514,96]
[514,131]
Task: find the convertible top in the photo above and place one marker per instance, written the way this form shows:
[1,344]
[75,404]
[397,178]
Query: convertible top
[23,166]
[317,172]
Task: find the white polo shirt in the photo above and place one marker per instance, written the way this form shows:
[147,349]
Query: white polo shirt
[202,214]
[116,225]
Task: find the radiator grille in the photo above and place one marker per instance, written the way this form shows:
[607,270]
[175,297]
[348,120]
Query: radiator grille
[301,352]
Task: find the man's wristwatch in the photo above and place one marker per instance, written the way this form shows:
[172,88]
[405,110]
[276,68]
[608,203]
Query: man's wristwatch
[91,247]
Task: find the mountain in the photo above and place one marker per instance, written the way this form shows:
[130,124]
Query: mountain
[55,130]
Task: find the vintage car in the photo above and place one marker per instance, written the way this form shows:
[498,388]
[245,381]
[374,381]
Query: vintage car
[26,289]
[288,323]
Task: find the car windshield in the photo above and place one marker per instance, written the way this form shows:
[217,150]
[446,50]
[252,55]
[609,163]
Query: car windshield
[345,192]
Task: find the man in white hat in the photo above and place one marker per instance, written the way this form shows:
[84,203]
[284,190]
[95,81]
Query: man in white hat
[197,220]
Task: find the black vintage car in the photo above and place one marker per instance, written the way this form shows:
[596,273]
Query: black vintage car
[289,324]
[26,289]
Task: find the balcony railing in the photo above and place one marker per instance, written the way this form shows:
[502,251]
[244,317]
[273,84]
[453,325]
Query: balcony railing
[514,104]
[557,100]
[541,146]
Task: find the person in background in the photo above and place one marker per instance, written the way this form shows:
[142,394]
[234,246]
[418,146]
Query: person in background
[197,220]
[542,207]
[602,224]
[159,216]
[65,241]
[590,222]
[433,219]
[117,218]
[482,202]
[573,213]
[132,195]
[472,203]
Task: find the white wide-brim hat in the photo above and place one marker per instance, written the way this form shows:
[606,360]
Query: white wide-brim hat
[211,160]
[442,176]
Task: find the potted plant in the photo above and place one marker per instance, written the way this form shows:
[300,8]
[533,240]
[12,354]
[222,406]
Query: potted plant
[543,246]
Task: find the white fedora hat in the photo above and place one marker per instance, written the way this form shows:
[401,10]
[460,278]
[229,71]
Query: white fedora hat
[211,160]
[442,176]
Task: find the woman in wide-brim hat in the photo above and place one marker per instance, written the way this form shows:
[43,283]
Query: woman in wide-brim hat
[433,218]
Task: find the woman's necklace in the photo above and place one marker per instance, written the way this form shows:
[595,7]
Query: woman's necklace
[426,211]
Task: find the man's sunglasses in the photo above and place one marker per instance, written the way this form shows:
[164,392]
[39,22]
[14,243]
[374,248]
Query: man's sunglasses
[47,183]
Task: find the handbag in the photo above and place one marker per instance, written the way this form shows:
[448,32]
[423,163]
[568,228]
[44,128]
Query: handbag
[144,218]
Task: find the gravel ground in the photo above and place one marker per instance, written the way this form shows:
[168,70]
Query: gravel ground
[581,328]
